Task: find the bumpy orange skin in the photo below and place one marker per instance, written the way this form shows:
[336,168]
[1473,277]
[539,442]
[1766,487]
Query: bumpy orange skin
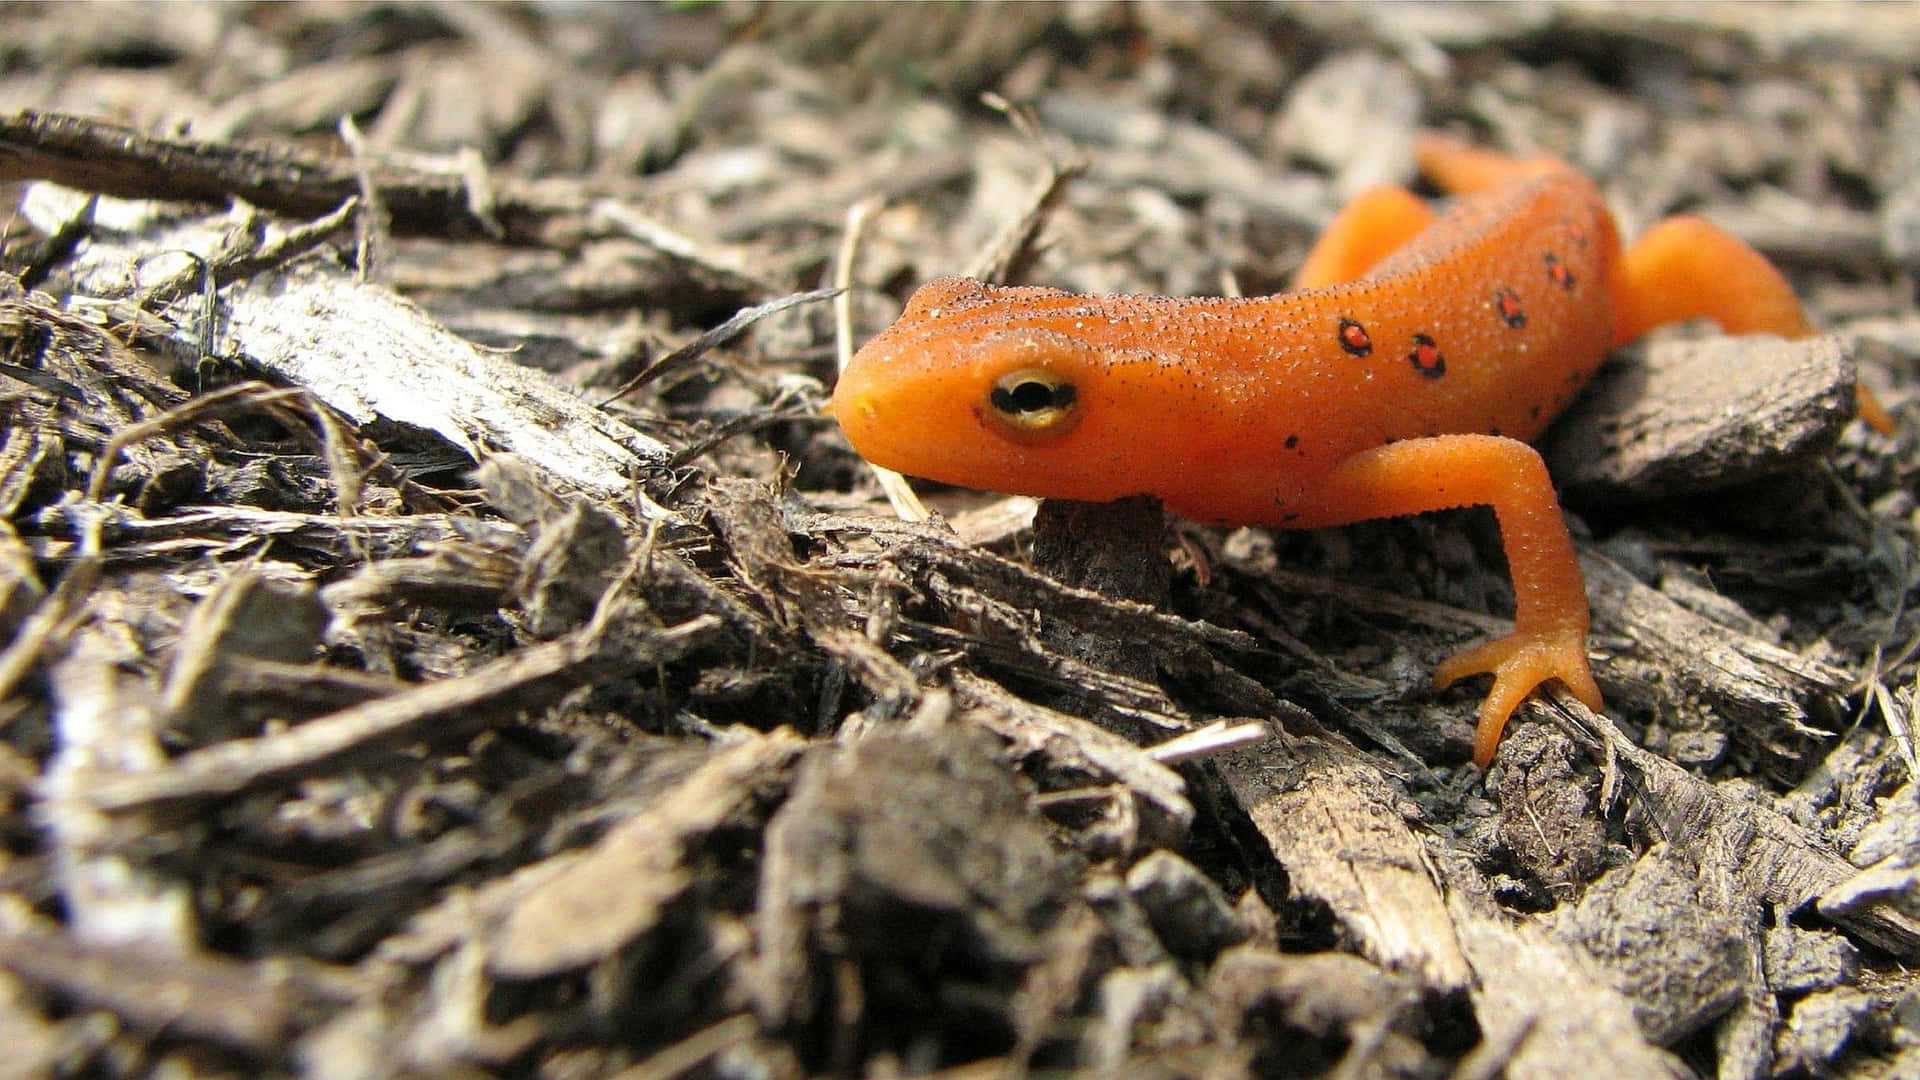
[1404,376]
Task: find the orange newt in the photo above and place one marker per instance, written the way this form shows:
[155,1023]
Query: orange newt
[1406,373]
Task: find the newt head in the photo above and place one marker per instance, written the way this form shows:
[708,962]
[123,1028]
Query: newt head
[988,387]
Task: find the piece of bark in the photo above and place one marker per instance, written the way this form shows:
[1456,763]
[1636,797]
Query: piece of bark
[1331,822]
[1186,908]
[1012,253]
[379,360]
[1354,114]
[321,536]
[1151,1007]
[120,387]
[249,1007]
[1697,414]
[995,606]
[1672,936]
[246,616]
[1820,1027]
[1114,549]
[1130,934]
[440,710]
[754,533]
[1668,660]
[94,155]
[1771,857]
[108,727]
[577,547]
[1336,1014]
[1800,960]
[1744,1040]
[1076,747]
[926,551]
[1546,1010]
[20,586]
[913,865]
[596,901]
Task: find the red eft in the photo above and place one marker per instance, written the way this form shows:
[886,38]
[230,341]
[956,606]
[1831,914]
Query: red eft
[1416,357]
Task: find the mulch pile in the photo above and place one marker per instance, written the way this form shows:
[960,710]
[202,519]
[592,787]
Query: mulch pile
[444,635]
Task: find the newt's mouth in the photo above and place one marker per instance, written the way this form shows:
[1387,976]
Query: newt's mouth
[860,406]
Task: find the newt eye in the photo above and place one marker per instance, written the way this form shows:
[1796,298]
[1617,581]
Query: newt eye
[1034,401]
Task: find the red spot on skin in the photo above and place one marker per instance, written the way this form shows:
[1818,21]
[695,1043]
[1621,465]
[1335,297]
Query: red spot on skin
[1354,338]
[1507,303]
[1426,358]
[1558,272]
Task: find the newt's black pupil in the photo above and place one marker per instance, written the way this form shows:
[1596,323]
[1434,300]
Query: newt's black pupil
[1032,396]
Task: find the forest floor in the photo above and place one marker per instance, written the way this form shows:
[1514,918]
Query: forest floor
[444,632]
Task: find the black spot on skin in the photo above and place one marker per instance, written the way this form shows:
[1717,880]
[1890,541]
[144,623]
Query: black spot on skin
[1507,303]
[1293,441]
[1426,358]
[1354,338]
[1533,413]
[1558,272]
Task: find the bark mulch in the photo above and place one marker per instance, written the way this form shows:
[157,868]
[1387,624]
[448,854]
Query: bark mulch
[444,635]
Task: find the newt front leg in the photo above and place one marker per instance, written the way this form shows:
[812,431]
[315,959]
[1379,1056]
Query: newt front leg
[1549,639]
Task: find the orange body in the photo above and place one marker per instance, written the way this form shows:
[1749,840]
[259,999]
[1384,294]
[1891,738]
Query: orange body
[1402,376]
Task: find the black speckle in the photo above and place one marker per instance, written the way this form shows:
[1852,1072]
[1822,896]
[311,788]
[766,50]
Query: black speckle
[1354,338]
[1506,303]
[1426,358]
[1558,272]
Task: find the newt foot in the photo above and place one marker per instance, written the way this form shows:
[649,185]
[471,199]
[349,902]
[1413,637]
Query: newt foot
[1519,663]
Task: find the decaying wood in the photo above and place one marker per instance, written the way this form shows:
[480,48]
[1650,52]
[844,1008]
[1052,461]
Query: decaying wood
[240,1006]
[603,898]
[1072,746]
[442,634]
[1555,1015]
[82,152]
[1333,829]
[1682,661]
[1752,406]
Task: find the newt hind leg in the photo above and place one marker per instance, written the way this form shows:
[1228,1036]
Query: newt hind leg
[1549,639]
[1373,226]
[1689,268]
